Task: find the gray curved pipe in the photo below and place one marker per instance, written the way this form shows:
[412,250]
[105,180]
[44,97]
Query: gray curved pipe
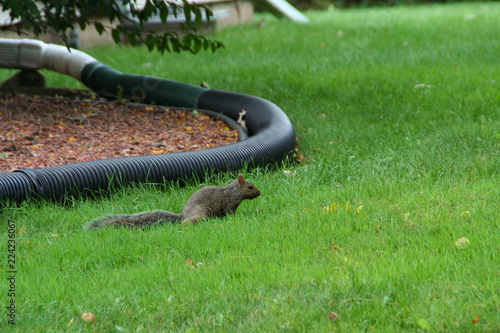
[271,134]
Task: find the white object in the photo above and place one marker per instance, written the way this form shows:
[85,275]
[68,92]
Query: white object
[34,54]
[241,119]
[287,10]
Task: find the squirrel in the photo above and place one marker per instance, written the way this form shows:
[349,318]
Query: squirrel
[210,201]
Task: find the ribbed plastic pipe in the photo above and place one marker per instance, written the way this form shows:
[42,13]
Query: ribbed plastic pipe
[34,54]
[271,134]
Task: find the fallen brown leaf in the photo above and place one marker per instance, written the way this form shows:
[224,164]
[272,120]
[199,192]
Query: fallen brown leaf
[89,317]
[333,316]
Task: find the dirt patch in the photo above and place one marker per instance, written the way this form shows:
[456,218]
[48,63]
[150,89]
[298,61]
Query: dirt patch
[42,131]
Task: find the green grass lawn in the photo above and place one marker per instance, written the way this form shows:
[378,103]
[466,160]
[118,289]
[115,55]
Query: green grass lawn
[398,111]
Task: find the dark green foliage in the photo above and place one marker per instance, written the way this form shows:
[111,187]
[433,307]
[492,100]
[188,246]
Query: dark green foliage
[64,15]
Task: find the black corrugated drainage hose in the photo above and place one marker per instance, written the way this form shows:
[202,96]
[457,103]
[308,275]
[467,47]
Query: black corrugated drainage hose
[271,134]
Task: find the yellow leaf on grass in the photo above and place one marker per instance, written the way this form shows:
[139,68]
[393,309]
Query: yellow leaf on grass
[462,243]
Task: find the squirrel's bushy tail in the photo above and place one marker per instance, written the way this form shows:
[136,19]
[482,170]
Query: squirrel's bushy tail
[140,221]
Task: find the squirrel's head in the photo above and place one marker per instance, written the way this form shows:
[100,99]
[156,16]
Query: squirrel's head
[249,189]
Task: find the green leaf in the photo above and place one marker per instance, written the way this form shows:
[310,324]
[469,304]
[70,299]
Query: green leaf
[175,45]
[187,12]
[111,15]
[424,324]
[132,38]
[148,10]
[208,14]
[150,42]
[175,10]
[198,18]
[163,16]
[197,45]
[164,44]
[163,10]
[82,24]
[116,35]
[119,91]
[99,27]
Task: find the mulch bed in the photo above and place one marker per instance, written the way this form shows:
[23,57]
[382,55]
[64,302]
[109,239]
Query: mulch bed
[42,131]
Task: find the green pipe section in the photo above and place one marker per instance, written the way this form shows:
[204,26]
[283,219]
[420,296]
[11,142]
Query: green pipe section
[140,88]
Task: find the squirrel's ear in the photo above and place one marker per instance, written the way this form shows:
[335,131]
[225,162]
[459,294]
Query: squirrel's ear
[240,178]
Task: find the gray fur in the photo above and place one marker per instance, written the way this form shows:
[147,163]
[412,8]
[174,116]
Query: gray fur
[140,220]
